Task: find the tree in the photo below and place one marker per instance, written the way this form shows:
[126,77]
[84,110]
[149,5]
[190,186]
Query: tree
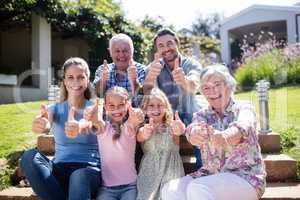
[207,26]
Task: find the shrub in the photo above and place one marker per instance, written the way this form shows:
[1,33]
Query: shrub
[279,66]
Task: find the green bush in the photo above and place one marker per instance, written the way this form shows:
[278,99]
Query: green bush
[273,65]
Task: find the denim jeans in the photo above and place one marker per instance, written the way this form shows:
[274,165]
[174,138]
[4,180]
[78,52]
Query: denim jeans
[187,119]
[59,181]
[121,192]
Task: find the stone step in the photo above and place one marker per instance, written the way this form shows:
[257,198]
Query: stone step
[274,191]
[269,143]
[279,167]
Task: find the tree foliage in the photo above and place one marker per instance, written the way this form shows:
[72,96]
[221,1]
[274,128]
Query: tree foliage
[95,21]
[207,26]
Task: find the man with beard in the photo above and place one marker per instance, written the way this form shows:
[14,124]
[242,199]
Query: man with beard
[176,75]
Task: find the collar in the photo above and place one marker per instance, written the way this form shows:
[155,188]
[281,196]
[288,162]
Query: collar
[227,110]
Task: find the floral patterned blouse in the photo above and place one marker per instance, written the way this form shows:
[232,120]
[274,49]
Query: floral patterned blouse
[243,159]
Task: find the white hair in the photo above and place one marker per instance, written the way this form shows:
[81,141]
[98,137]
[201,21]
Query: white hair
[220,70]
[121,37]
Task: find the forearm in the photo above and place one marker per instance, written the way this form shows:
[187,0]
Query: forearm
[148,84]
[232,135]
[100,88]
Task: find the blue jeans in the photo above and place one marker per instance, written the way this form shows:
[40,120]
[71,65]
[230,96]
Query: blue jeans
[59,181]
[187,119]
[121,192]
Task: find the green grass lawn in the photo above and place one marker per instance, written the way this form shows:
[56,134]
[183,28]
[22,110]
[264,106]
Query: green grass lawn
[16,135]
[284,109]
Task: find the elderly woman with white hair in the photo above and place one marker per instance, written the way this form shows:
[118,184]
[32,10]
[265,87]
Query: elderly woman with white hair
[225,131]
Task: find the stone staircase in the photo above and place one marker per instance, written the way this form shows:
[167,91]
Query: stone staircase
[281,169]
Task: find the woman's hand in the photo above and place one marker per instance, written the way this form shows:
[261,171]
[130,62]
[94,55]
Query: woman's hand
[72,125]
[41,123]
[199,134]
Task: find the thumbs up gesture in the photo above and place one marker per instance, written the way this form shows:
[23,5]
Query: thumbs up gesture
[146,131]
[105,72]
[72,125]
[41,123]
[132,76]
[154,68]
[177,125]
[136,116]
[178,74]
[94,115]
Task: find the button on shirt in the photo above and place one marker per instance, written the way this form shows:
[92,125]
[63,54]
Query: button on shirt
[125,83]
[244,159]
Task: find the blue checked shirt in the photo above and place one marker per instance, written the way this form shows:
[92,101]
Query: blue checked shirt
[125,83]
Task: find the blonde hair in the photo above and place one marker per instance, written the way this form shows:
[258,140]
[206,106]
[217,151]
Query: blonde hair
[122,92]
[82,64]
[155,92]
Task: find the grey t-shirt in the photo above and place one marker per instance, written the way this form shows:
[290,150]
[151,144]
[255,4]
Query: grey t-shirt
[183,102]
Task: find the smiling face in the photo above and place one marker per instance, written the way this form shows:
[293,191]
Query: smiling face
[75,81]
[156,109]
[167,47]
[216,91]
[121,54]
[116,106]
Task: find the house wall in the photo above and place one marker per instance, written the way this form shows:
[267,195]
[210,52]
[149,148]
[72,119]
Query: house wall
[15,48]
[253,16]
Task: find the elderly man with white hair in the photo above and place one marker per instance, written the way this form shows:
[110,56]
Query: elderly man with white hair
[225,131]
[123,72]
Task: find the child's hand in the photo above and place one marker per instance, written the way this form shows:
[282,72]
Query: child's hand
[93,115]
[41,123]
[136,116]
[147,130]
[177,125]
[72,126]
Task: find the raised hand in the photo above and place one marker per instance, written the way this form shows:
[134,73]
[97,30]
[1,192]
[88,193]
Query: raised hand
[155,68]
[199,134]
[72,125]
[136,116]
[105,72]
[41,123]
[178,74]
[96,117]
[132,76]
[147,130]
[177,125]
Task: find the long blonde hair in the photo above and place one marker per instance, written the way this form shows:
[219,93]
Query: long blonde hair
[122,92]
[155,92]
[82,64]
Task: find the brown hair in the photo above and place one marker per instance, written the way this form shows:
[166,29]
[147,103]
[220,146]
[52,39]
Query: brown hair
[84,66]
[155,92]
[122,92]
[165,31]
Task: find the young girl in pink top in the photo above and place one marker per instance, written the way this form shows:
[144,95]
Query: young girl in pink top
[117,142]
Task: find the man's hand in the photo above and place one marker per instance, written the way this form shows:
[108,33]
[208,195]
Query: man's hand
[154,69]
[179,75]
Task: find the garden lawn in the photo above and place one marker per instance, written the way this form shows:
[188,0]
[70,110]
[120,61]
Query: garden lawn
[284,109]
